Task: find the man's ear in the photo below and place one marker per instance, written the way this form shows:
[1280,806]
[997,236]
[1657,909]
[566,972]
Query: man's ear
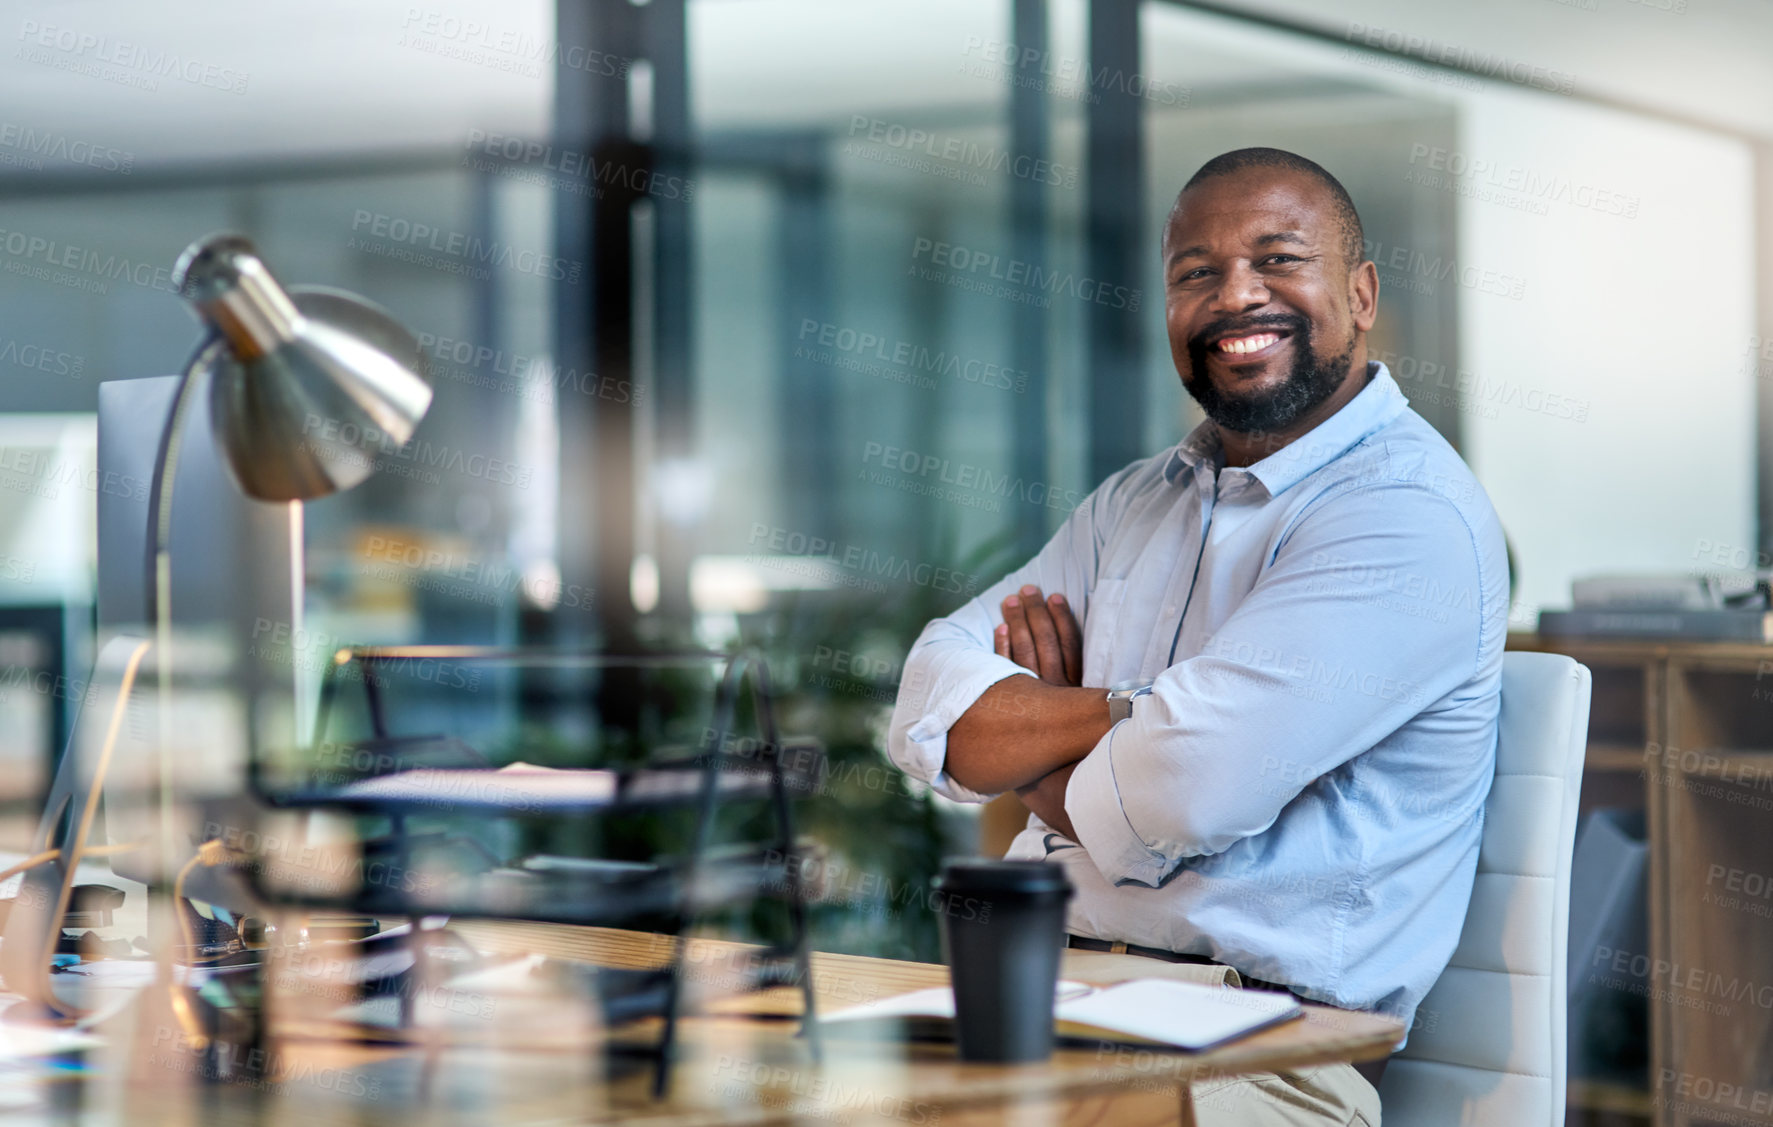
[1363,295]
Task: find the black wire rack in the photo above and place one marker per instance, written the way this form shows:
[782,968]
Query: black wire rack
[727,769]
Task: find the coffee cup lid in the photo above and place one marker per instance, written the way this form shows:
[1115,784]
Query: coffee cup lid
[980,875]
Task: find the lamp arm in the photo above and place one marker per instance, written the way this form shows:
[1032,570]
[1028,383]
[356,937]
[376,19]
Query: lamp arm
[160,490]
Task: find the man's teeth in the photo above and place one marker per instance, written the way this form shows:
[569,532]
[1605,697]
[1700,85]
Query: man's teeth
[1248,344]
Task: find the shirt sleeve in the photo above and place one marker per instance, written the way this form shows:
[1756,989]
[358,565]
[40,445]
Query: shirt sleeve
[952,662]
[1375,606]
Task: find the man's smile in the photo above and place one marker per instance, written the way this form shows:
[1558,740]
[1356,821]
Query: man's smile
[1249,346]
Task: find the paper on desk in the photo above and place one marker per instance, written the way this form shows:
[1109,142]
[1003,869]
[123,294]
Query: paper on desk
[526,786]
[19,1041]
[1161,1011]
[1166,1012]
[937,1001]
[518,785]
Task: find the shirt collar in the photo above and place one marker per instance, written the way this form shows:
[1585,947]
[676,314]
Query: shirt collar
[1371,408]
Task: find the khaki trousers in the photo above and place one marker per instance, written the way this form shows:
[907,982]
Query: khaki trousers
[1331,1095]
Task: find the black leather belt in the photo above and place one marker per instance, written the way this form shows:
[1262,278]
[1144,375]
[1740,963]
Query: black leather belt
[1371,1070]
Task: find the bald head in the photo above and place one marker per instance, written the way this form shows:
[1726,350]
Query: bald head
[1241,160]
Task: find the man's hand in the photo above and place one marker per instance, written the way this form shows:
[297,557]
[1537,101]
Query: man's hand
[1041,636]
[1024,728]
[1045,799]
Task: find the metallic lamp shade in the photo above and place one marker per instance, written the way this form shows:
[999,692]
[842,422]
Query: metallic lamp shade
[307,386]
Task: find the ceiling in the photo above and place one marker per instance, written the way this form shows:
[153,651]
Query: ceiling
[156,82]
[1706,62]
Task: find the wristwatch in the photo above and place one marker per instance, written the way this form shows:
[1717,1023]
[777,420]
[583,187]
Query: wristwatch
[1121,697]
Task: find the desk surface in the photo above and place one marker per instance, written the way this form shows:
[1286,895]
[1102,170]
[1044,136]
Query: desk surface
[536,1060]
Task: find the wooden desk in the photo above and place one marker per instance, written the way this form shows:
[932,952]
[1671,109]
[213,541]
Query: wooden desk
[542,1065]
[925,1081]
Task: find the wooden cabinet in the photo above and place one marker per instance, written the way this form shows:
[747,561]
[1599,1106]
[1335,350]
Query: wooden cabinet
[1685,731]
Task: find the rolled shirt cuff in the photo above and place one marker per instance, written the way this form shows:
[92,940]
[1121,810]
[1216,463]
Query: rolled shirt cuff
[1092,801]
[925,747]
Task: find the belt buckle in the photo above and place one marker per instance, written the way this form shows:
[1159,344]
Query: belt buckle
[1118,947]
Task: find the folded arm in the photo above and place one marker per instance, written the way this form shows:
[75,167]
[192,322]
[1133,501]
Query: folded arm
[986,706]
[1024,728]
[1377,605]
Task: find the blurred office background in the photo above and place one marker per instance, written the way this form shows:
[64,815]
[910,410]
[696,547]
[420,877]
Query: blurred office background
[797,321]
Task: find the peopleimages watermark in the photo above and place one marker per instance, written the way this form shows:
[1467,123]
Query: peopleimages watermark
[1063,75]
[1401,591]
[722,970]
[1012,279]
[24,146]
[1758,359]
[1688,985]
[15,570]
[855,674]
[1736,557]
[50,260]
[974,486]
[826,880]
[41,682]
[849,348]
[311,974]
[960,155]
[812,1094]
[1314,677]
[454,252]
[346,439]
[1418,271]
[1707,774]
[789,545]
[568,170]
[504,49]
[119,60]
[280,642]
[421,565]
[1283,777]
[312,868]
[1451,54]
[808,772]
[513,373]
[1436,382]
[1739,889]
[39,473]
[1451,170]
[41,358]
[1717,1100]
[253,1066]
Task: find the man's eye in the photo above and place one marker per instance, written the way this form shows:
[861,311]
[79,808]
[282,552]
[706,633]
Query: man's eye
[1194,275]
[1281,260]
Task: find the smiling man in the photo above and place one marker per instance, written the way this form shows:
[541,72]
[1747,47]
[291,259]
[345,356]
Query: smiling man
[1301,611]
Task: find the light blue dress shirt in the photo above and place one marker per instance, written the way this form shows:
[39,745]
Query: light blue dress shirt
[1301,797]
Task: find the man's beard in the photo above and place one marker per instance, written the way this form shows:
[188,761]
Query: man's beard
[1307,385]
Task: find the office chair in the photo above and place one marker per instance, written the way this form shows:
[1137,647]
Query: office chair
[1488,1048]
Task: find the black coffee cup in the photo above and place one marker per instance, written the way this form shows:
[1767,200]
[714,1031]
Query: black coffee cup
[1003,927]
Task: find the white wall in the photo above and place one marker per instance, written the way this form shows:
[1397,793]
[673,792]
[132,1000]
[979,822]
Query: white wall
[1641,319]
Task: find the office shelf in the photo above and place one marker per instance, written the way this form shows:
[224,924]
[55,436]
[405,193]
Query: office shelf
[1614,757]
[1684,731]
[1614,1099]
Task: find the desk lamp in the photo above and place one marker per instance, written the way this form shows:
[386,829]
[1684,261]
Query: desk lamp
[305,386]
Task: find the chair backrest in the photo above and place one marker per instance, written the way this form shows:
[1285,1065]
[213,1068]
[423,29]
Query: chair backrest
[1488,1046]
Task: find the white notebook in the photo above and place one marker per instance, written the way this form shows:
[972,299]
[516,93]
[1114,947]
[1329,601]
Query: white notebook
[1160,1011]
